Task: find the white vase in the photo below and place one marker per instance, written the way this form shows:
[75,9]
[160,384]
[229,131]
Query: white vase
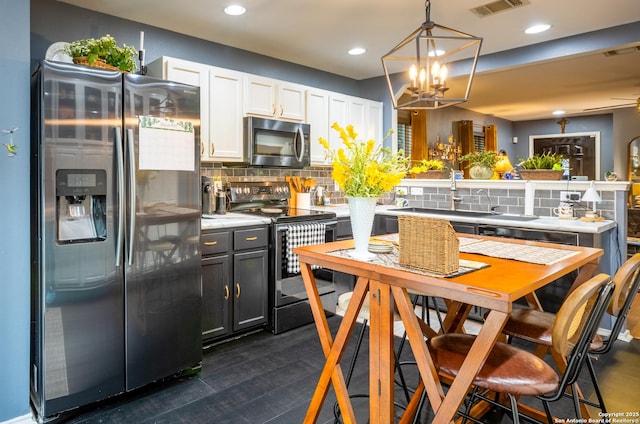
[362,211]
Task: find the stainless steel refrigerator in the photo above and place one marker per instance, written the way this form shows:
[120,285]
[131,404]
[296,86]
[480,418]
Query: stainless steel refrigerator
[115,234]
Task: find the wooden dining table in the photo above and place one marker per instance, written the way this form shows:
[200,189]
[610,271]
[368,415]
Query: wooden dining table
[495,288]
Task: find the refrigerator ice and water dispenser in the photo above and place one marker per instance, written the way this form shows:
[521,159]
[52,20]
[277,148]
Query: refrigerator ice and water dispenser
[81,197]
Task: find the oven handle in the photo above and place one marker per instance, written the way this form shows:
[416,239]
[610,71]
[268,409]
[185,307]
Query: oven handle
[286,227]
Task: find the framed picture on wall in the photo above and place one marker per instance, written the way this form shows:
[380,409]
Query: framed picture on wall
[582,149]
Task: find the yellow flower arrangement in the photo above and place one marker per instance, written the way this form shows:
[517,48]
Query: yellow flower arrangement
[363,169]
[427,165]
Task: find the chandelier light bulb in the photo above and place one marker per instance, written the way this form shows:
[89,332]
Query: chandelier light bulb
[413,74]
[443,74]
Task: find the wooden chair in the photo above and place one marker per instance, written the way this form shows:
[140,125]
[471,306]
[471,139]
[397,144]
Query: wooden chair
[535,326]
[517,372]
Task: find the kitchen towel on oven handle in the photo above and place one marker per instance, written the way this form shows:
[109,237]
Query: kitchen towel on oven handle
[302,235]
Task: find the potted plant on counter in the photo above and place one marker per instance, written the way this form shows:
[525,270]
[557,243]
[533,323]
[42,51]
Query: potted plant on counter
[102,53]
[429,168]
[481,164]
[542,166]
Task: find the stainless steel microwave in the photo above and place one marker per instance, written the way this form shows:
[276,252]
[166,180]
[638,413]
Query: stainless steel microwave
[274,143]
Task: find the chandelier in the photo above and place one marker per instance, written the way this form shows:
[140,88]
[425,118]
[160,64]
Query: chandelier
[432,68]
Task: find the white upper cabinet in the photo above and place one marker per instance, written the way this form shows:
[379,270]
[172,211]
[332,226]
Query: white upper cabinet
[221,105]
[226,113]
[318,119]
[193,73]
[374,129]
[226,96]
[274,99]
[365,116]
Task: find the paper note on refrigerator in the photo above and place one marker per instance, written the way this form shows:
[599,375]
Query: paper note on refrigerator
[166,144]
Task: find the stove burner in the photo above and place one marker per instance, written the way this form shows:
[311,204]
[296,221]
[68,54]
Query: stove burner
[271,210]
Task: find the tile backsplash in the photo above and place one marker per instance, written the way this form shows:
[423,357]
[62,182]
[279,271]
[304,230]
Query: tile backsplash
[507,200]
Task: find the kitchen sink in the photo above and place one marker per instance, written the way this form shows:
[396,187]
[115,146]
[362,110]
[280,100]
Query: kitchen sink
[474,214]
[513,217]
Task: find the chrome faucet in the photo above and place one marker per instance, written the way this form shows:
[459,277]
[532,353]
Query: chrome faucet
[452,192]
[493,208]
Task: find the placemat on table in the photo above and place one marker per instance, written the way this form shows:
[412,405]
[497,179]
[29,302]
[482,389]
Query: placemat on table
[520,252]
[391,260]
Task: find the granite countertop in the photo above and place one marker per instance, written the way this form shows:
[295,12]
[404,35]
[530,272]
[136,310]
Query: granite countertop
[231,219]
[541,223]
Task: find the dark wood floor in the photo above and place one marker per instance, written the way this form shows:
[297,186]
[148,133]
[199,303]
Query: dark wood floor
[262,378]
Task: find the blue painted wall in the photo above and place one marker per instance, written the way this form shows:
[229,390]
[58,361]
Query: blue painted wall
[14,218]
[602,123]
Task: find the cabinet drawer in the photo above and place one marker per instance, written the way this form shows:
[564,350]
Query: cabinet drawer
[214,243]
[250,238]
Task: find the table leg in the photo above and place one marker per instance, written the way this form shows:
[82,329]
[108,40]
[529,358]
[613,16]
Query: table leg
[333,350]
[381,357]
[489,333]
[428,373]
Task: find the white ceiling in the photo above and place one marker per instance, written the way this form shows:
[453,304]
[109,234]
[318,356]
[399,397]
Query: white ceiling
[318,34]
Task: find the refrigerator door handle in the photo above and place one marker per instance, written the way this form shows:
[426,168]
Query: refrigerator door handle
[132,194]
[120,170]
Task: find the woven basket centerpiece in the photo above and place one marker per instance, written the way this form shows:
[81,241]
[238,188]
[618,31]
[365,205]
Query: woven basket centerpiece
[428,244]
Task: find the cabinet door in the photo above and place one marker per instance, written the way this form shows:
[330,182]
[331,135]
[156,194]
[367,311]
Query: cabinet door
[216,296]
[291,102]
[358,117]
[194,74]
[374,121]
[250,289]
[318,119]
[226,112]
[260,96]
[338,112]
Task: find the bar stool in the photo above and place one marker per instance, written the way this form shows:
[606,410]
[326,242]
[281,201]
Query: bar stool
[536,326]
[517,372]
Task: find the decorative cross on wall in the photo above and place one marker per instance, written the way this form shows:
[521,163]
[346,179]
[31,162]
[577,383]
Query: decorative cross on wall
[563,122]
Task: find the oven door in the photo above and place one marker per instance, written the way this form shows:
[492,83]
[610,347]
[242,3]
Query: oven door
[276,143]
[288,286]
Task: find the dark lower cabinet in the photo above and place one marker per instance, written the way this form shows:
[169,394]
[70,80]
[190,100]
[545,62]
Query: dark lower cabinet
[216,308]
[234,281]
[250,289]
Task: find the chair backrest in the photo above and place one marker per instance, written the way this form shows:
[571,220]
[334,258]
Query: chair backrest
[576,324]
[626,281]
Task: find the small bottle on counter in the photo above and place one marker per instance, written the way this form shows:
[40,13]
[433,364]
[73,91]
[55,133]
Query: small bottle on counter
[327,198]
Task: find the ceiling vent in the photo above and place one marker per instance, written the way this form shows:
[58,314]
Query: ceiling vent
[498,6]
[622,51]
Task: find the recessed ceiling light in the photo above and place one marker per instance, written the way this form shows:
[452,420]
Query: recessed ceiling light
[234,10]
[435,53]
[535,29]
[356,51]
[558,112]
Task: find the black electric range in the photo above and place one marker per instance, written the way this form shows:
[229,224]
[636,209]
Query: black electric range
[288,300]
